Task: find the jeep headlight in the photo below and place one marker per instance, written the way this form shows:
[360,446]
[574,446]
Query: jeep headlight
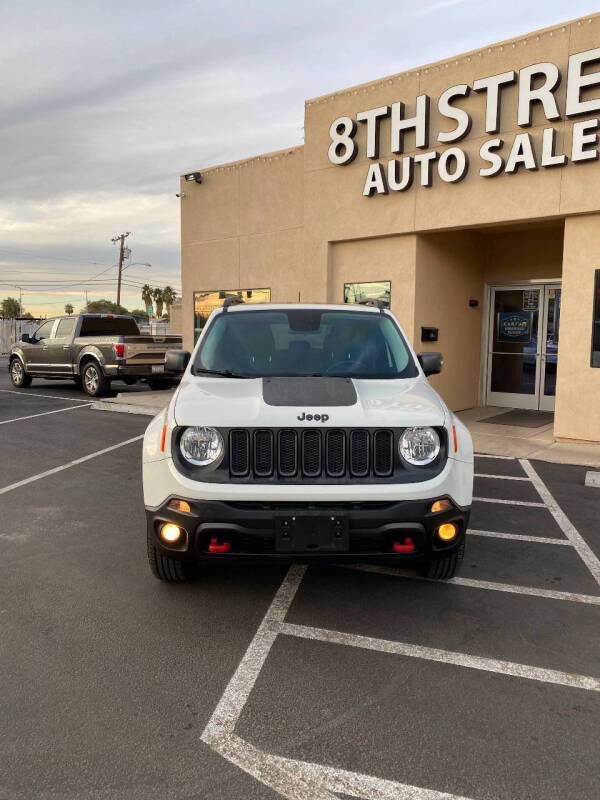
[201,446]
[419,446]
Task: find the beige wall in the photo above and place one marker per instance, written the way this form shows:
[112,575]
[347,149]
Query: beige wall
[449,273]
[534,252]
[242,228]
[175,318]
[578,384]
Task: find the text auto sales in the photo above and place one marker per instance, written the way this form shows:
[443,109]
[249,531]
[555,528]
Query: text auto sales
[537,85]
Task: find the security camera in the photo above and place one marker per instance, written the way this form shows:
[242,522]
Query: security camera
[180,194]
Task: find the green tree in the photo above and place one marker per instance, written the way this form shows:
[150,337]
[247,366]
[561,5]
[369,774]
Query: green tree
[139,312]
[27,315]
[147,295]
[169,296]
[10,307]
[157,294]
[68,309]
[105,307]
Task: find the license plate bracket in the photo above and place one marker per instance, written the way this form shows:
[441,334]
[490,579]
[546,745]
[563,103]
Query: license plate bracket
[318,533]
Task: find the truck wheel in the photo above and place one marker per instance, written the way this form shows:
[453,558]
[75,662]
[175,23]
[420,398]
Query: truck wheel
[170,570]
[442,569]
[155,383]
[94,382]
[20,379]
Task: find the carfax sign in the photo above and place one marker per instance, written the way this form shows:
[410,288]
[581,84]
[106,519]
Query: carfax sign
[514,326]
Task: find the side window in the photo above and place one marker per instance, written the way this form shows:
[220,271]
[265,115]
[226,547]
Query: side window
[595,360]
[66,327]
[44,331]
[377,290]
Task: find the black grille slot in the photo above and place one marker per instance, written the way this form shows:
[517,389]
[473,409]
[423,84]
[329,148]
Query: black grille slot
[336,453]
[288,454]
[311,453]
[383,453]
[239,453]
[263,453]
[359,453]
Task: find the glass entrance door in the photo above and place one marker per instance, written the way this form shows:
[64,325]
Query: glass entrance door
[523,346]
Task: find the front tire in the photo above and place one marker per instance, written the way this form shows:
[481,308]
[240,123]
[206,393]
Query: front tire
[443,569]
[165,568]
[94,381]
[19,378]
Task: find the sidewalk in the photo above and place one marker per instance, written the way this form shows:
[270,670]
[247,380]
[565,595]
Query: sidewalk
[518,442]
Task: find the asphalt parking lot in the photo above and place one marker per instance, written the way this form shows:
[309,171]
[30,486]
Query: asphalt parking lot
[302,683]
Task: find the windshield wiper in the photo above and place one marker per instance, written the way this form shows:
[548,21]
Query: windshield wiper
[225,373]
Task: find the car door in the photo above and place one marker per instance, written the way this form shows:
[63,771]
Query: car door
[59,347]
[36,353]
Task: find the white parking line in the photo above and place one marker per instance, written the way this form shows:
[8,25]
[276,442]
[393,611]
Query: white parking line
[488,455]
[47,396]
[584,551]
[509,502]
[43,414]
[522,537]
[501,477]
[571,679]
[472,583]
[68,465]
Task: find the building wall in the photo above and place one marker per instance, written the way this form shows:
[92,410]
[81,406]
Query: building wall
[531,253]
[578,384]
[242,228]
[175,318]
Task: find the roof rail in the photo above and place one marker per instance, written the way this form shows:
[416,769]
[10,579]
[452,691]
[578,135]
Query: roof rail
[375,303]
[232,301]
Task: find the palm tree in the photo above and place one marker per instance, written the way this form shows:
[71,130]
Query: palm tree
[157,294]
[68,309]
[169,296]
[147,295]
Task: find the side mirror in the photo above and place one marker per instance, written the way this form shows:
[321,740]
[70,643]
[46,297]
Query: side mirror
[176,360]
[431,363]
[25,338]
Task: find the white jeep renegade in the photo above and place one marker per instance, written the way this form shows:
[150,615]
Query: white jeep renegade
[306,433]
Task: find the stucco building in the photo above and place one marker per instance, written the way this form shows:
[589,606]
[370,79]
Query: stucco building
[465,193]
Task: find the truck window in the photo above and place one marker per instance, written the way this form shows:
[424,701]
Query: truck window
[65,327]
[44,331]
[109,326]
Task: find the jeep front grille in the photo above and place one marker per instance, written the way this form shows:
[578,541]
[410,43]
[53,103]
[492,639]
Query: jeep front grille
[311,453]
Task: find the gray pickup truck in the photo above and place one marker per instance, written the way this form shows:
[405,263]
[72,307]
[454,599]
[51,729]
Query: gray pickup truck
[92,350]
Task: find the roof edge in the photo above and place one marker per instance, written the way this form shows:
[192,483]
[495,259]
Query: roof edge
[275,154]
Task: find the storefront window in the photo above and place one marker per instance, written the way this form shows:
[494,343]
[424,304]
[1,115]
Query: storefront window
[206,302]
[376,290]
[595,362]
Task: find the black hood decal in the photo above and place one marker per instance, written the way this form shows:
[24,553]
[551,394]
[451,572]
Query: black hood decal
[309,392]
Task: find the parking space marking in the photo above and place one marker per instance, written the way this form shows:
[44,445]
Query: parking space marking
[584,551]
[488,455]
[509,502]
[47,396]
[551,594]
[43,414]
[501,477]
[68,465]
[542,674]
[520,537]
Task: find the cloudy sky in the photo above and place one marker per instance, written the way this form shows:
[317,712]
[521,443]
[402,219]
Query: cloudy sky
[105,104]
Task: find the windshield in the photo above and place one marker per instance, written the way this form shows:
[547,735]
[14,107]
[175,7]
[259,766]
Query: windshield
[304,341]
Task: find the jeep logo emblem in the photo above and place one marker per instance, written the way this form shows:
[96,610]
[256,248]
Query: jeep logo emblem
[310,417]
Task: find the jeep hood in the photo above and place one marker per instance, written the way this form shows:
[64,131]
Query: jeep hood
[228,403]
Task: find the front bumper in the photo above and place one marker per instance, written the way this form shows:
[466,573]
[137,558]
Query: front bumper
[251,530]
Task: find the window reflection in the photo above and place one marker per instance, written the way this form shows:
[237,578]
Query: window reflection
[375,290]
[206,302]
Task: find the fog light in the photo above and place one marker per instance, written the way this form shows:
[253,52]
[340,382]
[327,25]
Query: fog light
[170,533]
[179,505]
[440,505]
[447,531]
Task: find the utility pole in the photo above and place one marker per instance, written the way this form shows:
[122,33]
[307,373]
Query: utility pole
[120,239]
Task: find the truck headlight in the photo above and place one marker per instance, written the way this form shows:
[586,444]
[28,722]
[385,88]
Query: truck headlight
[201,446]
[419,446]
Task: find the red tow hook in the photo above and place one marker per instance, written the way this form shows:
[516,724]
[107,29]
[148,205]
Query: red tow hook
[407,547]
[215,547]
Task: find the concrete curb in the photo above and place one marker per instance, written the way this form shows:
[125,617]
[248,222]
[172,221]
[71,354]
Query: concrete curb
[592,479]
[127,408]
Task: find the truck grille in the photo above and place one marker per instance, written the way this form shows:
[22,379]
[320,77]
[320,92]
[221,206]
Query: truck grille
[311,453]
